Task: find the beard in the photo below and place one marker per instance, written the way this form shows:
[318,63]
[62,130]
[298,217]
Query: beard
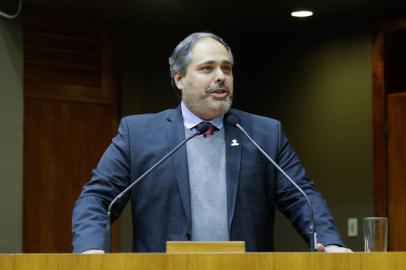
[218,104]
[221,106]
[205,105]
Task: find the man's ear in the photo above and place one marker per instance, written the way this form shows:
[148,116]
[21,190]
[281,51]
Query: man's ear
[178,80]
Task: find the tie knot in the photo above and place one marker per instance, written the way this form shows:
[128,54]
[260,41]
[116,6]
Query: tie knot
[209,131]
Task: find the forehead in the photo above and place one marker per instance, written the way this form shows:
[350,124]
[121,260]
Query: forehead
[208,49]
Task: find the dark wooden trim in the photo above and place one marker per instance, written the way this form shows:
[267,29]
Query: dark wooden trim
[379,117]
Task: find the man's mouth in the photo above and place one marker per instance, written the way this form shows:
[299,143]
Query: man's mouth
[218,93]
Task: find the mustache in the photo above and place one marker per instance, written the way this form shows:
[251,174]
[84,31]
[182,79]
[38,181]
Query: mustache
[216,87]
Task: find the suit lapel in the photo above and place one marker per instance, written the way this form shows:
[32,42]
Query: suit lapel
[233,141]
[175,133]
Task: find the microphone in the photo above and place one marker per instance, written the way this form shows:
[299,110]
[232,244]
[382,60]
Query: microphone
[200,129]
[233,120]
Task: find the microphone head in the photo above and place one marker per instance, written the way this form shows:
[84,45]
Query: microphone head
[232,119]
[202,128]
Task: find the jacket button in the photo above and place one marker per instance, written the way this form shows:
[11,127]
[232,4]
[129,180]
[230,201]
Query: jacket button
[188,236]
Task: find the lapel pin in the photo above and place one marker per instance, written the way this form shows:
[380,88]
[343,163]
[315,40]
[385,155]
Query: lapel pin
[234,142]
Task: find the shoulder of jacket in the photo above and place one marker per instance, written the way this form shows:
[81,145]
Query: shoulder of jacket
[247,118]
[148,117]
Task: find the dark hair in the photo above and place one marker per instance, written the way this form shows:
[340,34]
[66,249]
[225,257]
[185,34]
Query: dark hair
[180,58]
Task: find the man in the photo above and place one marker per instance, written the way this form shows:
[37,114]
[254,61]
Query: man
[217,188]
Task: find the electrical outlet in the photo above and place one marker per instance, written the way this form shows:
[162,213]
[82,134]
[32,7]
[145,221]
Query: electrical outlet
[352,227]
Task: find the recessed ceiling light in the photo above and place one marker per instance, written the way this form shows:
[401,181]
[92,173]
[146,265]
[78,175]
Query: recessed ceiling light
[302,13]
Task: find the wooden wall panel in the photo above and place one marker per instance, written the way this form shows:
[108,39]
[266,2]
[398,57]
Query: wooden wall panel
[70,116]
[389,110]
[65,141]
[397,170]
[68,61]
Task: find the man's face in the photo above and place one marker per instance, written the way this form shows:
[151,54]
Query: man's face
[207,86]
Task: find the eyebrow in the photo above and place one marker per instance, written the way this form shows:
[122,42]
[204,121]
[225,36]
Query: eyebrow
[211,62]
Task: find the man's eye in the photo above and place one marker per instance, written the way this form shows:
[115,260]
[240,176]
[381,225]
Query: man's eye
[226,68]
[207,68]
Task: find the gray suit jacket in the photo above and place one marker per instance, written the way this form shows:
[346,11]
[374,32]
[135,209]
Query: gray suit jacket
[161,207]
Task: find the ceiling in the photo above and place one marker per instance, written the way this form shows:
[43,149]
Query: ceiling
[182,11]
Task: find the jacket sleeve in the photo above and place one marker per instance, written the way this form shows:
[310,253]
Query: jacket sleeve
[292,203]
[111,176]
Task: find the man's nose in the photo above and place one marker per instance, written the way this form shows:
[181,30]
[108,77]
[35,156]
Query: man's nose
[220,76]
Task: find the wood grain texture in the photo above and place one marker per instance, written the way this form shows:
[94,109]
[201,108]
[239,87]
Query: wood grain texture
[378,121]
[397,170]
[224,261]
[63,142]
[201,246]
[68,60]
[70,117]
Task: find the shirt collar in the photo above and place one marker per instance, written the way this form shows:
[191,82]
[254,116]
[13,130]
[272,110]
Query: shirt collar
[190,120]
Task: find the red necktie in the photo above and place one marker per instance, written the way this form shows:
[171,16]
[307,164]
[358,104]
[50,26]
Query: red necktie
[209,132]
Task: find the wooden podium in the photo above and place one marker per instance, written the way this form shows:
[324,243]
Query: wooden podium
[225,256]
[197,261]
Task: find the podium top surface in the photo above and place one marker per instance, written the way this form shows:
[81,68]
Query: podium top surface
[197,261]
